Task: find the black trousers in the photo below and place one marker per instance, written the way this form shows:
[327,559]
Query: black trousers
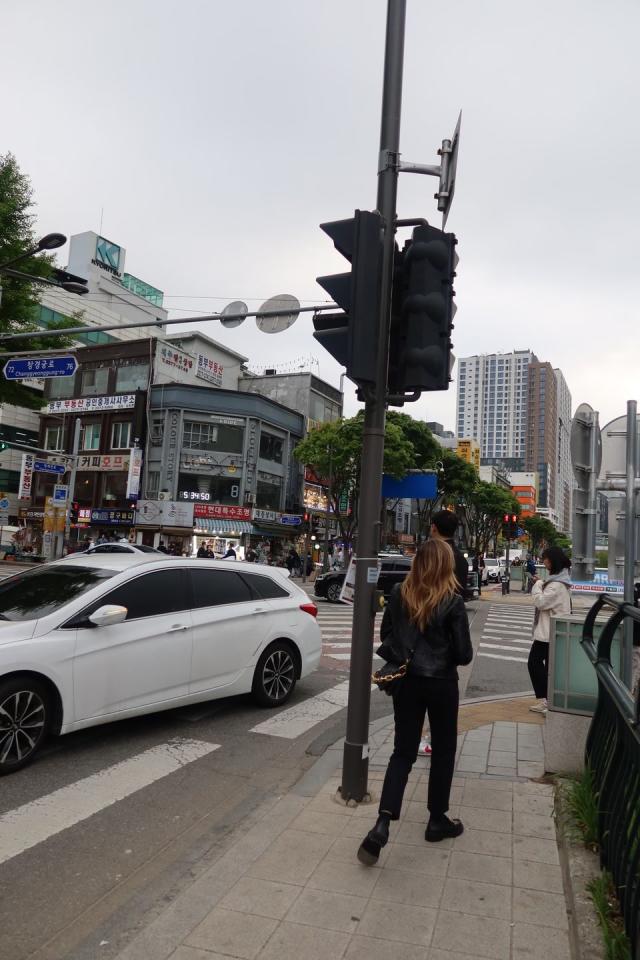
[418,696]
[539,667]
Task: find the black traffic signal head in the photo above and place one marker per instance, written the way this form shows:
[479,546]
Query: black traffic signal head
[350,336]
[422,313]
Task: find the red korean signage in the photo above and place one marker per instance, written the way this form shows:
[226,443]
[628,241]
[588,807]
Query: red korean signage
[219,511]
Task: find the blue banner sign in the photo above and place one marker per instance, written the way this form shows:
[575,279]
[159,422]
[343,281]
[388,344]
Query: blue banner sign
[40,368]
[111,517]
[43,466]
[290,520]
[415,486]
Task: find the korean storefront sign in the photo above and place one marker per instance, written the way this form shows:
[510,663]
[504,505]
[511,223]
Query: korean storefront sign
[219,511]
[209,370]
[112,517]
[26,476]
[164,513]
[175,361]
[272,516]
[135,471]
[110,461]
[125,401]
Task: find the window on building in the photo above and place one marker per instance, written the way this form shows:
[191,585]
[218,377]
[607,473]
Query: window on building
[271,447]
[121,436]
[95,382]
[54,438]
[115,486]
[153,484]
[135,376]
[157,431]
[223,437]
[91,436]
[9,481]
[61,388]
[215,489]
[269,492]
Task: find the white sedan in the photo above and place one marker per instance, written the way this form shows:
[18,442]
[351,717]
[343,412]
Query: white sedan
[91,639]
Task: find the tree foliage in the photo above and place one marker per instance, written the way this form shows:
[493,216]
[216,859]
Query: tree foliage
[483,512]
[19,304]
[541,532]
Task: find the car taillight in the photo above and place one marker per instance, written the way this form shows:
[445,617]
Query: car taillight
[309,608]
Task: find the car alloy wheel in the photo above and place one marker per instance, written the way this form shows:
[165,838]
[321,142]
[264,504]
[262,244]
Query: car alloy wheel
[275,676]
[23,721]
[333,592]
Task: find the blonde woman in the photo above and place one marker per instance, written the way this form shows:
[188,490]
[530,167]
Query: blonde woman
[424,624]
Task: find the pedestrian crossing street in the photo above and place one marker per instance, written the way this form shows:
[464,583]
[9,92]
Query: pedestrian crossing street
[506,634]
[336,625]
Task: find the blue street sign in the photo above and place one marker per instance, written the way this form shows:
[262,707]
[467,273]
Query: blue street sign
[4,504]
[290,520]
[40,368]
[415,486]
[43,466]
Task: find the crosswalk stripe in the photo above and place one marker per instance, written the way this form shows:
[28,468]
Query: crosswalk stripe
[498,646]
[522,642]
[34,822]
[294,721]
[495,631]
[499,656]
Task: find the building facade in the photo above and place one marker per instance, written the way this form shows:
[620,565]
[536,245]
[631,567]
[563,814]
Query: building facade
[469,450]
[317,400]
[542,433]
[492,400]
[565,479]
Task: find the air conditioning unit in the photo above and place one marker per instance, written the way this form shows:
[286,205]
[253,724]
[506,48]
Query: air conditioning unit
[164,495]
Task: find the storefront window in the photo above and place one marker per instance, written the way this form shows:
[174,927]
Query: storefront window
[95,382]
[209,489]
[213,436]
[115,486]
[133,377]
[271,448]
[269,492]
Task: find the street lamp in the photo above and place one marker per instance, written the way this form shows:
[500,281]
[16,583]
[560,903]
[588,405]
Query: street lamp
[51,241]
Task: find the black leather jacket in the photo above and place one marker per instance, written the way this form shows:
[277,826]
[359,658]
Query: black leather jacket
[444,646]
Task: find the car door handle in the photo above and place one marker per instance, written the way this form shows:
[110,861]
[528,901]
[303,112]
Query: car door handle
[259,610]
[176,628]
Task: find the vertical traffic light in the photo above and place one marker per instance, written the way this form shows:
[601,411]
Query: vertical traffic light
[74,512]
[350,336]
[422,313]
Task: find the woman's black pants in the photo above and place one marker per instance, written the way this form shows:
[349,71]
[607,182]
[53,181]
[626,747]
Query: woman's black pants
[417,697]
[539,667]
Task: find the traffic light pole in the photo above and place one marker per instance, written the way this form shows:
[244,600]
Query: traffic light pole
[72,482]
[355,765]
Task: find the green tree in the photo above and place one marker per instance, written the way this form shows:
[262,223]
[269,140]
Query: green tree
[19,304]
[541,532]
[335,449]
[483,511]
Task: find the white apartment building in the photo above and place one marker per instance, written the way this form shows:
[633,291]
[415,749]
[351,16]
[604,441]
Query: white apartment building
[492,398]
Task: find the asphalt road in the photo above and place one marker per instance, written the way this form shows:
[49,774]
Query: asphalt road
[110,823]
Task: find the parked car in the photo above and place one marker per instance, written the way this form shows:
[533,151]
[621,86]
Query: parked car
[491,570]
[393,569]
[118,546]
[92,639]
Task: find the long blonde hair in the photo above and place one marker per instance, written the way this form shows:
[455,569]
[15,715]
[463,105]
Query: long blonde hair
[431,580]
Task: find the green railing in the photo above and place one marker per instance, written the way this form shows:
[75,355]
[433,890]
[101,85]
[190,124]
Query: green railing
[613,753]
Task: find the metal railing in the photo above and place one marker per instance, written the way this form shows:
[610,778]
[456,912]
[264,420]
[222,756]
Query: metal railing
[613,753]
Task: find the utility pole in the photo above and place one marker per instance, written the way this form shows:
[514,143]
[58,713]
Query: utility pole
[356,749]
[327,514]
[72,481]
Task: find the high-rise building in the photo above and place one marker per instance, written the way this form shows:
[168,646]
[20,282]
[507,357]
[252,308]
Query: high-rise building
[564,471]
[542,435]
[492,402]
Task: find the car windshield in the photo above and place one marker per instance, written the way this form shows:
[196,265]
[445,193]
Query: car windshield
[40,592]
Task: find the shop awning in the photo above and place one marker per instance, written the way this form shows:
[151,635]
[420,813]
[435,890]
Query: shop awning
[211,527]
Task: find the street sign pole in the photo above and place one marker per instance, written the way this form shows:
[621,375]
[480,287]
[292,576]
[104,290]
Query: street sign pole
[72,482]
[355,765]
[630,539]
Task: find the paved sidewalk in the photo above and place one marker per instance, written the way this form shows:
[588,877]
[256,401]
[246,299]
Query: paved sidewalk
[291,887]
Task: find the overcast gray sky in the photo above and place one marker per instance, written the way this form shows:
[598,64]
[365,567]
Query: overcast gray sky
[217,136]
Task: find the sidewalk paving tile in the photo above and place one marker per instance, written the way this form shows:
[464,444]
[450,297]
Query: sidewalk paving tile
[479,899]
[344,850]
[537,876]
[477,795]
[481,818]
[530,768]
[539,907]
[526,803]
[531,788]
[502,758]
[532,848]
[264,898]
[236,934]
[461,932]
[475,748]
[313,821]
[533,751]
[424,860]
[329,911]
[293,857]
[508,744]
[293,941]
[397,886]
[471,764]
[400,922]
[502,771]
[336,876]
[486,842]
[192,953]
[539,943]
[481,867]
[533,825]
[368,948]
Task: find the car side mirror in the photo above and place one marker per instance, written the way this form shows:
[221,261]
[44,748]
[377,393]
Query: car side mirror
[108,616]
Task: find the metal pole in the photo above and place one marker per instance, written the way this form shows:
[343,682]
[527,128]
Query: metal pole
[591,511]
[630,539]
[327,516]
[72,481]
[356,748]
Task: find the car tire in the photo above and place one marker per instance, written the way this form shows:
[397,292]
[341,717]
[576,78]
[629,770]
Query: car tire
[333,592]
[275,678]
[25,716]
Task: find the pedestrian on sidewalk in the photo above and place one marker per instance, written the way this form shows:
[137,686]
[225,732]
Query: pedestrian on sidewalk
[551,598]
[424,626]
[444,525]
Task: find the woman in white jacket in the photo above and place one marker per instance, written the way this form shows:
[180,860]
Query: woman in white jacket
[551,598]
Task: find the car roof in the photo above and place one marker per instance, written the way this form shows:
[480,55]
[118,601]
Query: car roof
[122,561]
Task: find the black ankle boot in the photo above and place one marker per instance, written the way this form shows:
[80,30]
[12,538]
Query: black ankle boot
[442,828]
[375,840]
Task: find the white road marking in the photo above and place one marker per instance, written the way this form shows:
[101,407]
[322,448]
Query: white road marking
[498,646]
[303,716]
[499,656]
[505,630]
[34,822]
[522,642]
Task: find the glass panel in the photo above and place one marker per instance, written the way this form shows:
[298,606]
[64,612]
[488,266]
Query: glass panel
[61,388]
[268,493]
[95,382]
[271,448]
[38,593]
[151,595]
[213,588]
[224,437]
[91,436]
[264,587]
[133,377]
[53,438]
[225,490]
[121,436]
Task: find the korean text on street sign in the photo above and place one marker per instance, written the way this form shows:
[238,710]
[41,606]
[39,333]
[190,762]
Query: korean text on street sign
[60,493]
[40,368]
[45,466]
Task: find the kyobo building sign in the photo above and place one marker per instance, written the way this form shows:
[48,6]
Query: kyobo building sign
[107,256]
